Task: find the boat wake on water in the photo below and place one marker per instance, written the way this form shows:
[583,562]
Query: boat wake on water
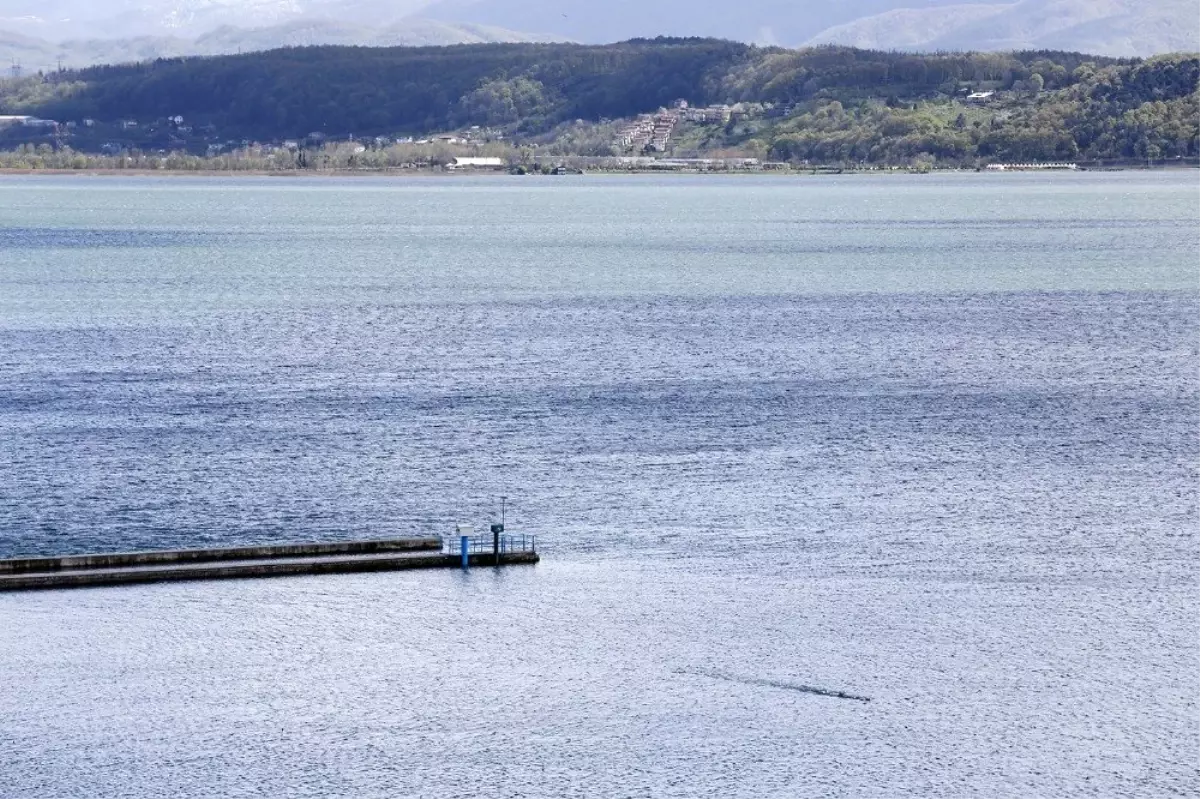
[788,686]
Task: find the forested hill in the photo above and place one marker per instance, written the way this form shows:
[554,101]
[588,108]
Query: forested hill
[821,104]
[338,90]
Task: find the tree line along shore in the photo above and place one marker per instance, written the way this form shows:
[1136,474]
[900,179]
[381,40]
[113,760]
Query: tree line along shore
[340,159]
[538,106]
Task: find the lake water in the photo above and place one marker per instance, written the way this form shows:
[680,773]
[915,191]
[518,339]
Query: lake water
[927,440]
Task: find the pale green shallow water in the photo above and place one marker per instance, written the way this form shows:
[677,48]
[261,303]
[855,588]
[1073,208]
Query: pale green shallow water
[162,247]
[930,440]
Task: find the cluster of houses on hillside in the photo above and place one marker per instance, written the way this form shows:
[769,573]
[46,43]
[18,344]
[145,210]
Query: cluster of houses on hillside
[712,115]
[650,133]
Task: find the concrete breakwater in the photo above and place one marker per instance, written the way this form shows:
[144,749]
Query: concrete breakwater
[78,571]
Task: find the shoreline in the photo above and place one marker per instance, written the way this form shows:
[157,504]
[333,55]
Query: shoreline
[440,173]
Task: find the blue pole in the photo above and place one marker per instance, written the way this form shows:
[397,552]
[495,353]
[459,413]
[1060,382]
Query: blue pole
[465,543]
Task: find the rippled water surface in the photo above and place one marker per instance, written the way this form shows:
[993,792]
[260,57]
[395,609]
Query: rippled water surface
[929,443]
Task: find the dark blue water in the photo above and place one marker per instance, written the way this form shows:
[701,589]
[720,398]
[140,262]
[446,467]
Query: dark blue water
[940,455]
[1045,426]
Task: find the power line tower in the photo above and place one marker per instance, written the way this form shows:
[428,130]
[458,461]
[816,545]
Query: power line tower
[16,68]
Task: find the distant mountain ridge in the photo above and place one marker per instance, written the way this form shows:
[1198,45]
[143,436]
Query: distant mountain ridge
[34,54]
[1120,28]
[60,20]
[95,31]
[1110,27]
[786,23]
